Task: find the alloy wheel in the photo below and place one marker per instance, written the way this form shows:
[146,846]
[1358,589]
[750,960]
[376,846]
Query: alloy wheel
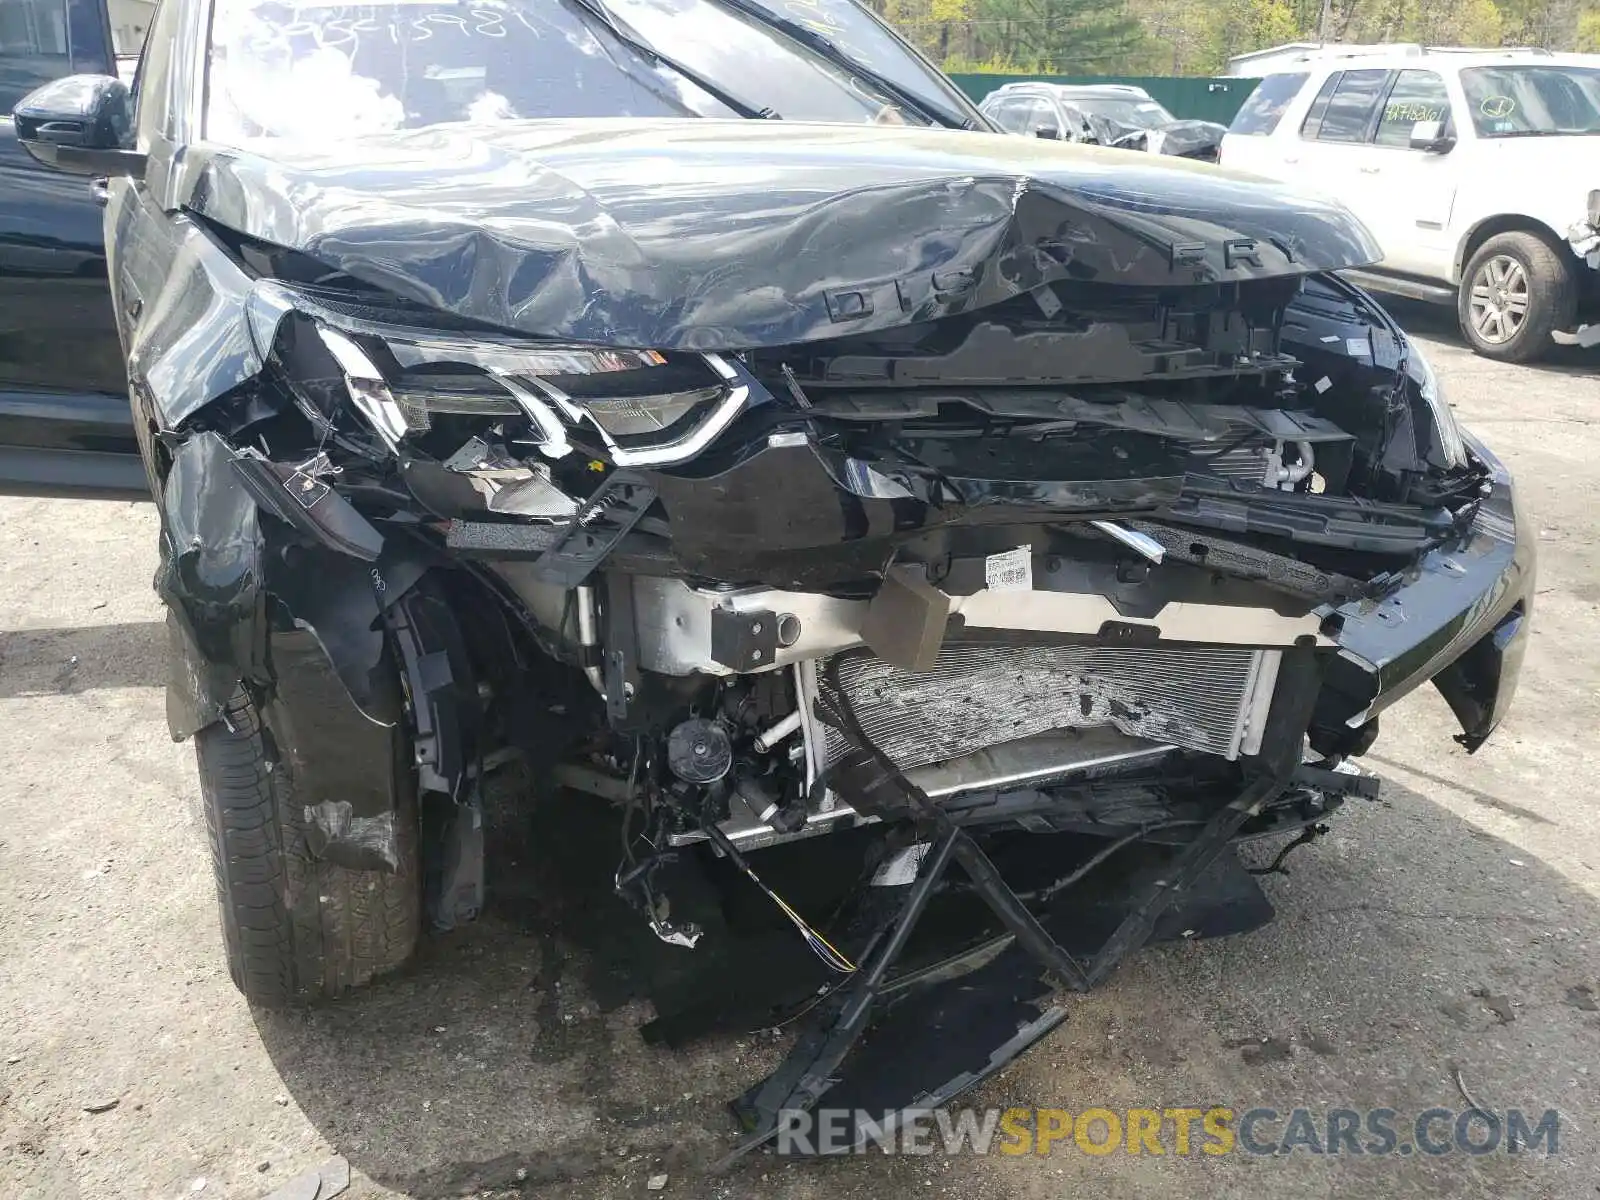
[1500,299]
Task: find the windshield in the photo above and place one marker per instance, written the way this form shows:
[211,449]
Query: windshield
[317,70]
[1529,101]
[1141,114]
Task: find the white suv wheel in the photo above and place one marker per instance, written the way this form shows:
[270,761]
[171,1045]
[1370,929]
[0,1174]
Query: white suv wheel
[1499,303]
[1516,289]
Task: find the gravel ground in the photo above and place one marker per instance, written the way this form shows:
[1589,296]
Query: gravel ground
[1451,930]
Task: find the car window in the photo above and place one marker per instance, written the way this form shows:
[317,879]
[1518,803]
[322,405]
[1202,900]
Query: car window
[33,28]
[331,70]
[1532,101]
[152,99]
[1319,105]
[1078,127]
[1263,108]
[1009,113]
[41,40]
[1041,114]
[1352,104]
[130,20]
[1416,96]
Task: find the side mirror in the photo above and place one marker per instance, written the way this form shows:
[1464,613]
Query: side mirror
[1048,131]
[82,125]
[1430,137]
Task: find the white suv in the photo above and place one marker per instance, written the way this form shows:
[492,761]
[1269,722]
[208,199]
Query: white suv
[1478,172]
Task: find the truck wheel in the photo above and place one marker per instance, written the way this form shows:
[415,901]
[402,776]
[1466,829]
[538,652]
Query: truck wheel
[297,930]
[1516,290]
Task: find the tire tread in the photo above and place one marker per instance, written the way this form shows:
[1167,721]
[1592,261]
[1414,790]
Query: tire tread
[297,930]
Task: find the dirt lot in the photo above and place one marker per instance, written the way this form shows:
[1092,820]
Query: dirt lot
[1447,935]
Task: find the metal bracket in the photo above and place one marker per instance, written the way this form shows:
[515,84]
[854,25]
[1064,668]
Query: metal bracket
[435,687]
[744,641]
[620,668]
[601,521]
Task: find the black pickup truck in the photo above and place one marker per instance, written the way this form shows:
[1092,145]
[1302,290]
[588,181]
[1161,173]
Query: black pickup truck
[64,420]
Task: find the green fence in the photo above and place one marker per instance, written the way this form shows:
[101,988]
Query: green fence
[1191,99]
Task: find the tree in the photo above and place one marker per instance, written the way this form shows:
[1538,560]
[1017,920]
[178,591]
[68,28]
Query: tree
[1197,37]
[1243,25]
[1588,39]
[1064,37]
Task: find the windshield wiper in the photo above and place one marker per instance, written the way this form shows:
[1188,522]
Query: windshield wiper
[818,44]
[625,34]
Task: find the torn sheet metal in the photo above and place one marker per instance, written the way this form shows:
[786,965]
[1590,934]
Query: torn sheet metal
[658,234]
[226,578]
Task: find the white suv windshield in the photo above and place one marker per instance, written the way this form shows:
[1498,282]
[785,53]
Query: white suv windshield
[293,69]
[1527,101]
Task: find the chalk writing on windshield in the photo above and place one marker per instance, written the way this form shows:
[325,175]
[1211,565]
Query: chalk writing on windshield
[346,33]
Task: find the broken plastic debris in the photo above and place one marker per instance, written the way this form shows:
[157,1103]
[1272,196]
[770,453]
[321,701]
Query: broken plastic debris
[319,1183]
[655,1183]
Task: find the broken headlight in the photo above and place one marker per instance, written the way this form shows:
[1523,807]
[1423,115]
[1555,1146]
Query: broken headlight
[634,407]
[1452,450]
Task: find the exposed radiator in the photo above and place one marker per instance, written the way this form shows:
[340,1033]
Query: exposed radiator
[1211,699]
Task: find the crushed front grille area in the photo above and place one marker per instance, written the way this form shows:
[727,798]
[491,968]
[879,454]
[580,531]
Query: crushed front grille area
[977,696]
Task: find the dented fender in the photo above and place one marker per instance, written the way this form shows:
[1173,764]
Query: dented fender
[290,608]
[210,578]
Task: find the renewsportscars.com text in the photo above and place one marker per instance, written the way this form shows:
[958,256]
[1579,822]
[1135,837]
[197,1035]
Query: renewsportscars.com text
[1179,1132]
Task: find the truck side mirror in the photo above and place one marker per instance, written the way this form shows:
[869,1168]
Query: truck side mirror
[82,125]
[1048,131]
[1431,137]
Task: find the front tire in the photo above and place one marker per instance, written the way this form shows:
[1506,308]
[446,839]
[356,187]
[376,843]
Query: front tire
[1515,292]
[297,930]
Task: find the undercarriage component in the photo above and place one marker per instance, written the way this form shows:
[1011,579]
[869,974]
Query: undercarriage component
[873,784]
[698,751]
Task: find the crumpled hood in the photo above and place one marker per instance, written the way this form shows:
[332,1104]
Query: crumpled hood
[726,235]
[1191,137]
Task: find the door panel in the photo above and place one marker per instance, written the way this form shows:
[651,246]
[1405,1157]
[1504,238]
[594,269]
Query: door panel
[1259,138]
[1414,190]
[1335,152]
[65,427]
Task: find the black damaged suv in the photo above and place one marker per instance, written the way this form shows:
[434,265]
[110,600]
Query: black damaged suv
[697,405]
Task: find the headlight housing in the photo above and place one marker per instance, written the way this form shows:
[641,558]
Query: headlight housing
[1452,450]
[643,407]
